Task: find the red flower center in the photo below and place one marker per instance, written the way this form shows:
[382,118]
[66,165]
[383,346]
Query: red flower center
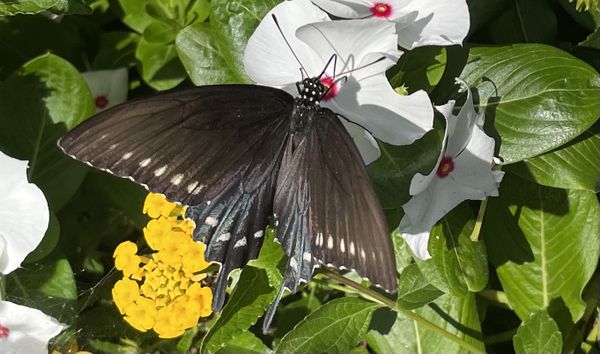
[331,87]
[101,101]
[381,9]
[446,166]
[4,331]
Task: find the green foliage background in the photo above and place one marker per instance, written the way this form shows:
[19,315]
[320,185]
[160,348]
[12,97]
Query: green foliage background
[528,283]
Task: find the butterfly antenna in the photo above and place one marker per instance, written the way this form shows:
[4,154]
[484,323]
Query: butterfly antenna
[343,78]
[363,66]
[302,68]
[332,58]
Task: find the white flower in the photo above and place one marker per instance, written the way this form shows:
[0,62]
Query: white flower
[464,171]
[418,22]
[108,87]
[23,214]
[25,330]
[364,49]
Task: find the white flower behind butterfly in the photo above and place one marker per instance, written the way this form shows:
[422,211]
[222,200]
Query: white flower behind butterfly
[418,22]
[364,50]
[464,171]
[108,87]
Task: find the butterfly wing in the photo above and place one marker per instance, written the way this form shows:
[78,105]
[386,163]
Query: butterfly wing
[214,148]
[327,210]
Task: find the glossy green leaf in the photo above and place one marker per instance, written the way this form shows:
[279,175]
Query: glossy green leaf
[533,116]
[16,7]
[30,124]
[419,69]
[289,315]
[159,65]
[159,33]
[246,342]
[573,166]
[393,333]
[404,256]
[254,293]
[457,265]
[414,290]
[544,243]
[392,172]
[336,327]
[205,56]
[135,15]
[538,334]
[525,21]
[117,49]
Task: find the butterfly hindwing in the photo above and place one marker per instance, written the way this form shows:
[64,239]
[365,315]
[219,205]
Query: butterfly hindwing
[214,148]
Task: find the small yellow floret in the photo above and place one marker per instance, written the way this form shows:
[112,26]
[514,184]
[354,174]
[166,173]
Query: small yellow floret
[141,314]
[124,293]
[156,205]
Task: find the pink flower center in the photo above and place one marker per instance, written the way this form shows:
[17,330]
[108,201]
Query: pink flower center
[331,87]
[381,9]
[4,331]
[446,166]
[101,101]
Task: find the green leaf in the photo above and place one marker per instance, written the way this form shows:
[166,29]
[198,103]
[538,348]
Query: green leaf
[205,56]
[544,243]
[414,290]
[420,68]
[392,172]
[117,49]
[533,116]
[254,293]
[57,98]
[159,33]
[572,166]
[290,314]
[159,65]
[336,327]
[48,285]
[526,21]
[483,11]
[16,7]
[246,342]
[458,265]
[135,15]
[538,334]
[404,256]
[393,333]
[48,243]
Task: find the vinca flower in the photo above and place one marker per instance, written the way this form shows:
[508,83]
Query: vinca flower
[108,87]
[25,330]
[24,214]
[464,171]
[418,22]
[359,89]
[162,291]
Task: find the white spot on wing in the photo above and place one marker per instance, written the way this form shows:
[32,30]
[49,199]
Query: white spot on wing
[293,263]
[330,242]
[342,246]
[259,234]
[198,190]
[224,237]
[352,249]
[192,186]
[319,241]
[240,243]
[363,255]
[127,156]
[161,171]
[210,221]
[145,162]
[176,180]
[307,256]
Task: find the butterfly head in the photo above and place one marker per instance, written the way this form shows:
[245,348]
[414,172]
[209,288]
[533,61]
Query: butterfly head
[310,91]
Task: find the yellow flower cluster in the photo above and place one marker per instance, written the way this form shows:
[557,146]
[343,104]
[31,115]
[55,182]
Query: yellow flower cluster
[162,291]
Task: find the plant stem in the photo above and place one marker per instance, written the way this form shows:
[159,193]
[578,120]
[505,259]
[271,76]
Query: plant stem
[501,337]
[394,306]
[2,287]
[480,215]
[497,297]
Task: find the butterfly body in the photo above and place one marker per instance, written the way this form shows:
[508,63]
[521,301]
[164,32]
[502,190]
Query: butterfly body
[240,154]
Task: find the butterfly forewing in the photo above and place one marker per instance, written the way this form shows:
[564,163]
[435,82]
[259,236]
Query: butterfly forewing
[214,148]
[326,205]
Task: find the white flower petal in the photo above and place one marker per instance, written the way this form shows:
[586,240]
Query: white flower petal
[111,84]
[29,329]
[417,241]
[267,58]
[366,144]
[345,8]
[23,211]
[460,127]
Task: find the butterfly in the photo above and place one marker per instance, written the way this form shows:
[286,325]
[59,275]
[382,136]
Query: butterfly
[237,155]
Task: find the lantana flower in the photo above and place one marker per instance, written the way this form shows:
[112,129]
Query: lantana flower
[418,22]
[26,330]
[162,291]
[465,170]
[364,50]
[24,214]
[108,87]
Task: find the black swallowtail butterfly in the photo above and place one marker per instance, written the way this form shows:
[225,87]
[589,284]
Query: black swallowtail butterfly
[238,154]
